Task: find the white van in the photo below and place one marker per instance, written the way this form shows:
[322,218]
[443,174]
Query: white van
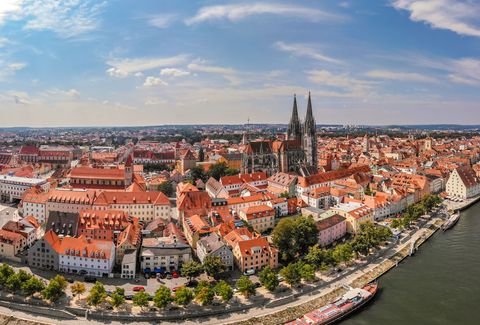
[249,272]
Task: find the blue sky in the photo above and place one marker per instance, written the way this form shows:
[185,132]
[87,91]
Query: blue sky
[130,62]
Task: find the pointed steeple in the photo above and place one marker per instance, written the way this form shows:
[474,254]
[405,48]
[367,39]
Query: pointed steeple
[294,127]
[310,125]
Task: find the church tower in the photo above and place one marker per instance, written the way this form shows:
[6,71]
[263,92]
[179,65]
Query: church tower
[310,136]
[294,131]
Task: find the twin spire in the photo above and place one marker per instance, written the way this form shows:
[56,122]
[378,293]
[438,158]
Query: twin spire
[295,128]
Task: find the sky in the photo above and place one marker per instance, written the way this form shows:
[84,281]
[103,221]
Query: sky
[154,62]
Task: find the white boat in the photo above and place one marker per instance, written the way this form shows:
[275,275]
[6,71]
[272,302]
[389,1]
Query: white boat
[451,221]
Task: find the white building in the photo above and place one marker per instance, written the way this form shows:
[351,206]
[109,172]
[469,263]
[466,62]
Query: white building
[86,256]
[13,187]
[129,264]
[166,253]
[463,183]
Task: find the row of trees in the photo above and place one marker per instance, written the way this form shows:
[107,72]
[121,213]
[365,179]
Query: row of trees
[415,211]
[216,171]
[212,265]
[27,284]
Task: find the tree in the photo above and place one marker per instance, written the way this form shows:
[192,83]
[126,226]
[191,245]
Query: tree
[201,155]
[162,297]
[32,286]
[319,257]
[191,269]
[213,265]
[291,274]
[166,188]
[294,237]
[198,173]
[343,253]
[140,299]
[117,298]
[268,278]
[231,172]
[204,293]
[224,290]
[78,288]
[183,296]
[14,283]
[55,288]
[245,286]
[307,272]
[5,272]
[217,170]
[97,294]
[285,195]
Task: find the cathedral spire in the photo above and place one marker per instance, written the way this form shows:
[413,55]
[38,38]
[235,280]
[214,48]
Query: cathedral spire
[310,125]
[294,127]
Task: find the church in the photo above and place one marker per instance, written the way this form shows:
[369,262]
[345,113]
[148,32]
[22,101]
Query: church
[296,154]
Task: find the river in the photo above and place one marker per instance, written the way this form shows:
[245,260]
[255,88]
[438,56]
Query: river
[440,284]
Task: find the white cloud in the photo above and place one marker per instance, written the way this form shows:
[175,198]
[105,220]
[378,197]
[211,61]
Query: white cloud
[236,12]
[459,16]
[8,69]
[228,73]
[172,72]
[465,71]
[122,68]
[344,82]
[9,9]
[305,51]
[4,41]
[162,21]
[65,18]
[400,76]
[151,81]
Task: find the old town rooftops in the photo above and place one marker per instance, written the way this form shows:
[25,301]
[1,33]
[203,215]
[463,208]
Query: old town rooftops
[120,197]
[97,173]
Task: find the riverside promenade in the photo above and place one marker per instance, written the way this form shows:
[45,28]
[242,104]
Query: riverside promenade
[301,302]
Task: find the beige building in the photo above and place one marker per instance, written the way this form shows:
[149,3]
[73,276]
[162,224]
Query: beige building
[355,213]
[463,183]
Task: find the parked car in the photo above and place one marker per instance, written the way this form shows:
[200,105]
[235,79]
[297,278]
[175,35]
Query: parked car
[90,279]
[146,275]
[175,274]
[70,280]
[128,297]
[138,288]
[82,272]
[249,272]
[169,276]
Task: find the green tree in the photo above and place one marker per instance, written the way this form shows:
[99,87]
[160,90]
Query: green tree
[217,170]
[166,188]
[204,293]
[140,299]
[201,154]
[32,286]
[5,272]
[245,286]
[78,288]
[14,283]
[162,297]
[291,274]
[191,269]
[343,253]
[117,298]
[183,296]
[294,237]
[319,257]
[224,290]
[198,173]
[231,172]
[268,278]
[307,272]
[97,294]
[213,265]
[55,289]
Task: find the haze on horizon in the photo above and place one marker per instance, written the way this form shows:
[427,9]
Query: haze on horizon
[125,62]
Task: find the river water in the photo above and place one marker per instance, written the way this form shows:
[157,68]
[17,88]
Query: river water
[440,284]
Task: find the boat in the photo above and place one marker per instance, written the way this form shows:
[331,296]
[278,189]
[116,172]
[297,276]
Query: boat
[451,221]
[350,302]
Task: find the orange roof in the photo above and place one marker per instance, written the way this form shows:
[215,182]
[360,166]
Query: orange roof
[72,196]
[103,219]
[119,197]
[97,173]
[258,211]
[84,247]
[331,175]
[245,199]
[238,235]
[246,247]
[9,237]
